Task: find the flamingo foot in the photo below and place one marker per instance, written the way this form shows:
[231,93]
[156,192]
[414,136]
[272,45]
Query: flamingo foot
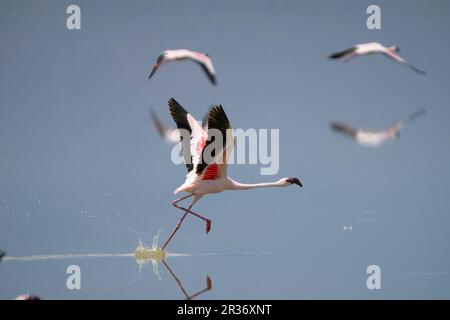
[208,225]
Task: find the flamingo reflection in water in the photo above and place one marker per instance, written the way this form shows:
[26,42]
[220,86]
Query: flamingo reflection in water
[143,255]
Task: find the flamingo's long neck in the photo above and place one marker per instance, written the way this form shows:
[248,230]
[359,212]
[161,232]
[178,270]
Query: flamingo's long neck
[248,186]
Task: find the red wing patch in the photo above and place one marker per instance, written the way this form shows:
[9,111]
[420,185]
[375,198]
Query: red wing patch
[211,172]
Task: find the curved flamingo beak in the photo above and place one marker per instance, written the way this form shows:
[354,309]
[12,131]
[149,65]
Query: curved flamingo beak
[295,181]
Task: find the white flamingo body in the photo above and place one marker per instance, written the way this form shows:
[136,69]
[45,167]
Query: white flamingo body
[373,48]
[208,178]
[201,58]
[179,54]
[376,138]
[202,187]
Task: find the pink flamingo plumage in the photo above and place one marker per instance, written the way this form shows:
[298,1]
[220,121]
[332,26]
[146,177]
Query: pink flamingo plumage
[205,178]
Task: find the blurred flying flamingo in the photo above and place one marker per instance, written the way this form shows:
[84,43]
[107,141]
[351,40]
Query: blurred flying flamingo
[374,138]
[205,177]
[202,59]
[372,48]
[171,135]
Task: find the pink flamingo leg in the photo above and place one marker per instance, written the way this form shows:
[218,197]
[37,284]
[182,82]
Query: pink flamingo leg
[186,211]
[176,229]
[208,221]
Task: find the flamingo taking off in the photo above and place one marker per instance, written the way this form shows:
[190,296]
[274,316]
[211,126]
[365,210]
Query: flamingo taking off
[372,48]
[202,59]
[202,177]
[374,138]
[171,135]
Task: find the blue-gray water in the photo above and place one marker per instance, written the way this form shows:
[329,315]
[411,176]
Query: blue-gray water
[82,171]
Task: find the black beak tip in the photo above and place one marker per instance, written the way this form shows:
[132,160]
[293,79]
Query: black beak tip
[295,181]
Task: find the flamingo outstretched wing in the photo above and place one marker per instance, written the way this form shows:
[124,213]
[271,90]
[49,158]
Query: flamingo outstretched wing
[155,67]
[343,54]
[186,123]
[416,114]
[206,63]
[218,121]
[400,60]
[166,133]
[343,128]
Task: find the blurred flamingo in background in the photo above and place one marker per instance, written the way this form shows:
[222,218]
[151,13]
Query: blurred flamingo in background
[202,59]
[372,48]
[171,135]
[374,138]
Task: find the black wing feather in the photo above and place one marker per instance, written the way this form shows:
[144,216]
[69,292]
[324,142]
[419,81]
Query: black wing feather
[416,114]
[218,120]
[343,128]
[179,115]
[211,76]
[340,54]
[156,65]
[205,118]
